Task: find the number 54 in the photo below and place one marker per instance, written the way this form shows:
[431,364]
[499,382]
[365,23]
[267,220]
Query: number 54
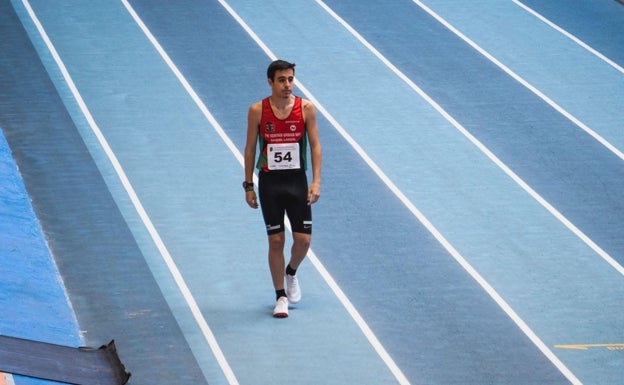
[277,157]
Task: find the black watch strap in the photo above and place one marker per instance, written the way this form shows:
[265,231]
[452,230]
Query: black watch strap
[248,186]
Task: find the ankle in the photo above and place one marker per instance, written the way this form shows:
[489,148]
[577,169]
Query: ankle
[280,293]
[290,270]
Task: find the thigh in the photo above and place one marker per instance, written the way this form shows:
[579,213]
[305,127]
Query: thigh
[298,211]
[271,202]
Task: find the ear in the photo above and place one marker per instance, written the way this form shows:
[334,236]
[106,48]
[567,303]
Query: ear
[270,81]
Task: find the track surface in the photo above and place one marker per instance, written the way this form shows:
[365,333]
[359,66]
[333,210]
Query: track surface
[471,220]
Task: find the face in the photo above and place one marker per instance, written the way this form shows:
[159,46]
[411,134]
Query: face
[283,82]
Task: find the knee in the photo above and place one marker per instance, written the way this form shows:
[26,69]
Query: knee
[302,241]
[276,241]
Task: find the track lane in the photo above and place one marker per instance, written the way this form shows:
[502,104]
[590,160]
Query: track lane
[88,238]
[566,166]
[178,181]
[352,222]
[508,222]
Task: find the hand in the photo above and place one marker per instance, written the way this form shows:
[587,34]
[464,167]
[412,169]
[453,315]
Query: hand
[252,201]
[314,193]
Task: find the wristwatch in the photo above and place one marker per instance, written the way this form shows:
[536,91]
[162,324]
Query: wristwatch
[248,186]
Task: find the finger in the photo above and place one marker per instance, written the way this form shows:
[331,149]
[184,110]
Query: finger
[313,198]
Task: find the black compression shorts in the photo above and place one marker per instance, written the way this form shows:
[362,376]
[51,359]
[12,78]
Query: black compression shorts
[287,193]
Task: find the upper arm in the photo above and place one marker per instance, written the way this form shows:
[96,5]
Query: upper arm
[253,123]
[309,116]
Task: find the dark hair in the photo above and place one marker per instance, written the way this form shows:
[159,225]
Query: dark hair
[279,65]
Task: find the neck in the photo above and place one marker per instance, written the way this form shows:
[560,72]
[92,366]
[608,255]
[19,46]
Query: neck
[281,102]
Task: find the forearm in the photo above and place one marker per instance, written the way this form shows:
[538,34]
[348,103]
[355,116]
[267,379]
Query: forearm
[316,164]
[249,164]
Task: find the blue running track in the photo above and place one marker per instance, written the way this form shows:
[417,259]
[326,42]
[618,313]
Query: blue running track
[471,224]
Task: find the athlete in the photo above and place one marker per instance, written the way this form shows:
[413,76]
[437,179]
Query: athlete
[283,125]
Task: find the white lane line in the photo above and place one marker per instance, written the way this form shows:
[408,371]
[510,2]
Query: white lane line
[520,80]
[472,139]
[190,300]
[588,241]
[489,289]
[342,297]
[481,146]
[570,36]
[184,82]
[311,255]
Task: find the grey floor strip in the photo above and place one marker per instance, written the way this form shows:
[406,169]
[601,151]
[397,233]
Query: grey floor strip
[81,366]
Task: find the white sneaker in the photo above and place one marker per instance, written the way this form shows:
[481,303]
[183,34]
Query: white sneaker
[281,308]
[292,289]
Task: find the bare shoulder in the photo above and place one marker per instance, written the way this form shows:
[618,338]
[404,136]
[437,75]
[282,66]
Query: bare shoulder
[255,111]
[306,104]
[257,106]
[309,115]
[309,111]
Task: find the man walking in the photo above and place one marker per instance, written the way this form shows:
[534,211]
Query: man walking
[282,125]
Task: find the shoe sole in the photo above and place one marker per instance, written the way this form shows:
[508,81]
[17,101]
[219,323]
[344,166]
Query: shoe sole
[280,315]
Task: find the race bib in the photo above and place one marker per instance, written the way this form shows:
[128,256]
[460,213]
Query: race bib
[283,156]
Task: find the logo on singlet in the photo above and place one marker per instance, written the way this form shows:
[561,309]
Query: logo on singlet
[269,127]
